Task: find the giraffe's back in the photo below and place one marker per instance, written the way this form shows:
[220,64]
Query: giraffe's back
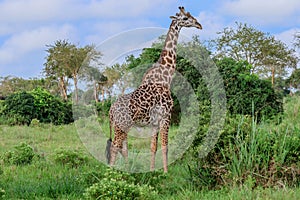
[147,105]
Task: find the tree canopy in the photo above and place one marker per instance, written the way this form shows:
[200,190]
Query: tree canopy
[267,55]
[65,60]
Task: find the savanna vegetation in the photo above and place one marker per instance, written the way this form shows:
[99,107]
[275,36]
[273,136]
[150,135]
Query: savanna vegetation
[255,157]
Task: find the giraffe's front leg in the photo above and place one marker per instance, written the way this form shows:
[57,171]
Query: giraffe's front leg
[164,130]
[117,145]
[113,154]
[124,151]
[153,148]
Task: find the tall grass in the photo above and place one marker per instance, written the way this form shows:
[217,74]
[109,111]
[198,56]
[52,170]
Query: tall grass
[251,152]
[264,153]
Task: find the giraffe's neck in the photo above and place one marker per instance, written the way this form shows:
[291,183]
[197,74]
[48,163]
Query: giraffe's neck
[168,54]
[164,68]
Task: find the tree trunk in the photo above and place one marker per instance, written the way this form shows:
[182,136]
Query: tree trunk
[63,89]
[76,87]
[103,93]
[273,76]
[95,92]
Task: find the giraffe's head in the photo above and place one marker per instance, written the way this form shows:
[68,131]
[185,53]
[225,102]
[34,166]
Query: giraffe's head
[185,19]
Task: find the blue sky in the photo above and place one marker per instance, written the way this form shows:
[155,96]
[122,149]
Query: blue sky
[26,26]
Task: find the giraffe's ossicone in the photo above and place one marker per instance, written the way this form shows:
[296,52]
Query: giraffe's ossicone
[151,103]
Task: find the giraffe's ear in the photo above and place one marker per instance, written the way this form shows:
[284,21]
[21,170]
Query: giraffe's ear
[173,17]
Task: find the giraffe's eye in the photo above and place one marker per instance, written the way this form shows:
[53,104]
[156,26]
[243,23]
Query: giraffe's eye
[185,18]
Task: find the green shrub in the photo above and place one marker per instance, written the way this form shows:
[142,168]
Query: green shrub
[119,185]
[19,108]
[103,107]
[70,158]
[22,154]
[50,109]
[34,122]
[2,193]
[2,106]
[1,170]
[244,89]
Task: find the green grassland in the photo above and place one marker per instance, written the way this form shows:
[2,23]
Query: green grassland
[62,167]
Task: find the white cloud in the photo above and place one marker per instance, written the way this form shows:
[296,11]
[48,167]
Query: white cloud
[16,15]
[30,10]
[41,10]
[128,42]
[117,8]
[264,12]
[21,44]
[287,36]
[102,30]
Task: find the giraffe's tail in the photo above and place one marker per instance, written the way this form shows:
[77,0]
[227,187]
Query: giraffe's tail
[108,144]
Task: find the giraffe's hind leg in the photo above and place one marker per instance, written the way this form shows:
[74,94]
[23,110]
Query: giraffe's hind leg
[118,145]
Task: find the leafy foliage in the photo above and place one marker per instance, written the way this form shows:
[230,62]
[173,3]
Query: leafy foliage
[70,158]
[50,109]
[19,108]
[119,185]
[65,60]
[246,93]
[265,54]
[103,108]
[11,84]
[2,193]
[21,155]
[294,79]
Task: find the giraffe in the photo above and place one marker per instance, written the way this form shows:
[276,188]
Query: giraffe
[151,103]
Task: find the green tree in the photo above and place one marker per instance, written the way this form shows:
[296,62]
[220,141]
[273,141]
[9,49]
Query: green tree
[96,78]
[263,52]
[294,79]
[113,75]
[126,77]
[64,62]
[276,57]
[246,93]
[10,85]
[241,43]
[57,62]
[81,57]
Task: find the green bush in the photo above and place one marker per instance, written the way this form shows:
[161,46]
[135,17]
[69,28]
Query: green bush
[19,108]
[103,107]
[246,93]
[34,122]
[1,170]
[2,106]
[119,185]
[70,158]
[50,109]
[22,154]
[2,193]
